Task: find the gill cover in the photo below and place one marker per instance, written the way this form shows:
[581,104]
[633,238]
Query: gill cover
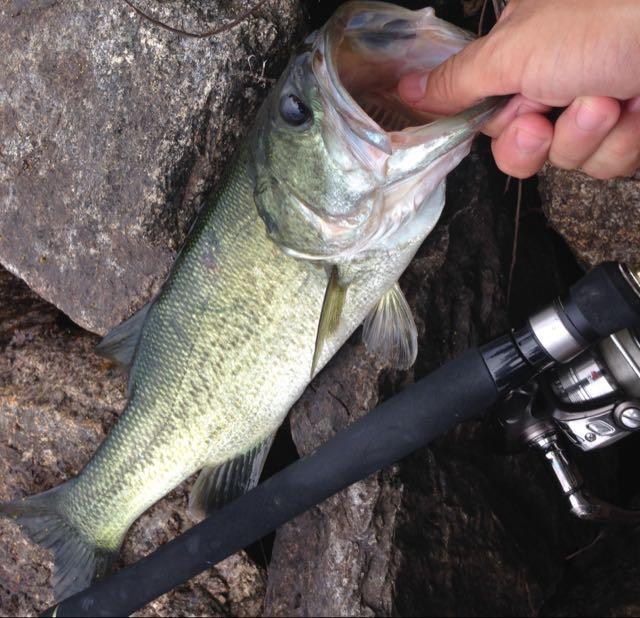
[341,165]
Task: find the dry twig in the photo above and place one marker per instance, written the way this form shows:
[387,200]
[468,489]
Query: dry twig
[199,35]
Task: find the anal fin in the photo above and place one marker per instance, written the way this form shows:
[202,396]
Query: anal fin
[218,485]
[389,331]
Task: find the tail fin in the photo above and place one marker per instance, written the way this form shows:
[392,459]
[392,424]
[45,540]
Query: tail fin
[77,560]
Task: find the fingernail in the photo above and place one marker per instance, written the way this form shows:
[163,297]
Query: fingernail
[528,142]
[414,87]
[587,119]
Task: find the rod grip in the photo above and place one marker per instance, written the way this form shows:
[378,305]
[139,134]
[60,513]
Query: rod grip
[603,302]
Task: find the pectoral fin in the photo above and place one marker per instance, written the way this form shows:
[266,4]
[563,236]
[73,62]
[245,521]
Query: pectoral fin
[330,314]
[119,345]
[389,331]
[218,485]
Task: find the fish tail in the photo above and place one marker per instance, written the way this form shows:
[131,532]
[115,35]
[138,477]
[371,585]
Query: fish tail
[77,559]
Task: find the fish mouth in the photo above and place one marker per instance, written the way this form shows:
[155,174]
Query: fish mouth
[389,160]
[365,50]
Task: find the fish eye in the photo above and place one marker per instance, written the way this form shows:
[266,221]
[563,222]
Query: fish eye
[294,111]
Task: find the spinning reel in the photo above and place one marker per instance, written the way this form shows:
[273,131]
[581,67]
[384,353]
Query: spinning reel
[592,401]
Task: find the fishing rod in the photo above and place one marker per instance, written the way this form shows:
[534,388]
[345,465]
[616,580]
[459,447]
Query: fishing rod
[604,302]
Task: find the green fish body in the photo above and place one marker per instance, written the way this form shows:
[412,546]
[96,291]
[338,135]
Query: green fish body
[319,214]
[225,352]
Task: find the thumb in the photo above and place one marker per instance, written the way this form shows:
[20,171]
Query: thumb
[457,83]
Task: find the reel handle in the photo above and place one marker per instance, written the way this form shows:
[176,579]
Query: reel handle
[582,504]
[525,421]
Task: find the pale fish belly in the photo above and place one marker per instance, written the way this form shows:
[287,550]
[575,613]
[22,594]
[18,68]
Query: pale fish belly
[226,350]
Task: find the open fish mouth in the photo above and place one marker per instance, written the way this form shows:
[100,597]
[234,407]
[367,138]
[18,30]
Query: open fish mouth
[366,48]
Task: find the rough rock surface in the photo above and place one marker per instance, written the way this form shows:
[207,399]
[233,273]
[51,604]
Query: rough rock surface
[602,580]
[334,559]
[58,400]
[112,133]
[598,219]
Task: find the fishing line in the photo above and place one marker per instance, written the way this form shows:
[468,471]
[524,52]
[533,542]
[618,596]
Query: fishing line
[199,35]
[514,247]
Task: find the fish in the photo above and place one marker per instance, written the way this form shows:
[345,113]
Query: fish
[321,210]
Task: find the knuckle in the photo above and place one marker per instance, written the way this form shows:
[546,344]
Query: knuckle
[621,150]
[500,65]
[446,84]
[630,168]
[629,172]
[598,172]
[563,162]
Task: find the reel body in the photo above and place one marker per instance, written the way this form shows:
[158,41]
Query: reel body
[592,401]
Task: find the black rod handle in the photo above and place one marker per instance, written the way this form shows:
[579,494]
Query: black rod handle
[458,390]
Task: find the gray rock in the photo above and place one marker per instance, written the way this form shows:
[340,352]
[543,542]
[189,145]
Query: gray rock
[58,400]
[112,135]
[598,219]
[113,132]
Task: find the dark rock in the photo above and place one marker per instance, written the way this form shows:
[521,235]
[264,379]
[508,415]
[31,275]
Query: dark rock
[602,579]
[58,400]
[113,132]
[597,218]
[334,559]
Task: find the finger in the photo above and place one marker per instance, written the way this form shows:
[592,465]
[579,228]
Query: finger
[523,147]
[476,72]
[580,130]
[619,153]
[508,9]
[517,106]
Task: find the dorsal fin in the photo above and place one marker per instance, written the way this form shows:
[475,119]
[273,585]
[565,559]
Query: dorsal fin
[330,314]
[218,485]
[119,345]
[389,331]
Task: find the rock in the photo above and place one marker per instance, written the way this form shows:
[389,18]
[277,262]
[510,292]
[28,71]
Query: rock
[113,166]
[333,559]
[602,579]
[58,400]
[598,219]
[113,132]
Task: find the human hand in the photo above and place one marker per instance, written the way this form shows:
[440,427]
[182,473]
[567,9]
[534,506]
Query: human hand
[581,55]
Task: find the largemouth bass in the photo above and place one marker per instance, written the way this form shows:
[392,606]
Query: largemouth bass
[334,190]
